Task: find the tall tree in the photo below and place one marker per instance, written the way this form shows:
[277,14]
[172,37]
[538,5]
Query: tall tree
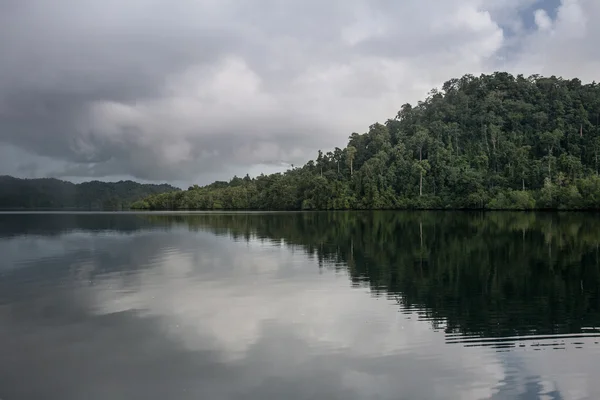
[350,154]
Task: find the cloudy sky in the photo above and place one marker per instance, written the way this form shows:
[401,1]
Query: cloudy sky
[196,90]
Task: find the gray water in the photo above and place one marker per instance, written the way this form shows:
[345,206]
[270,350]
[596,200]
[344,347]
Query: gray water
[382,305]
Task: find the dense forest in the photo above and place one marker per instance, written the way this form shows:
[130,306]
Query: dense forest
[51,193]
[485,274]
[489,142]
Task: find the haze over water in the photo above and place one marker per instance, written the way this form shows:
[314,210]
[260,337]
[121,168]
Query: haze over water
[345,305]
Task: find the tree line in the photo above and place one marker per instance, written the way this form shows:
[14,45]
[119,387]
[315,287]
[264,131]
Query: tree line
[495,141]
[49,193]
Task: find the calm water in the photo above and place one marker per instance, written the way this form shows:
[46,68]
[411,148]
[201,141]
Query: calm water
[385,305]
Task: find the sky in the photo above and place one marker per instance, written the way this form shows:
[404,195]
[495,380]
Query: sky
[192,91]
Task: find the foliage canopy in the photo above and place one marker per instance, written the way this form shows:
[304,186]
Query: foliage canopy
[489,142]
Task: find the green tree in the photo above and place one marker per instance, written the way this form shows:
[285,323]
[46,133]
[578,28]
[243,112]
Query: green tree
[495,140]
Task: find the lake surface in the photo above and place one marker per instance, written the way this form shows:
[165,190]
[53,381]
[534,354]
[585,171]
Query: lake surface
[374,305]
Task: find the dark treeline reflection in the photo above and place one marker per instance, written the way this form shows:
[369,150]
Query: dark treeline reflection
[482,274]
[52,224]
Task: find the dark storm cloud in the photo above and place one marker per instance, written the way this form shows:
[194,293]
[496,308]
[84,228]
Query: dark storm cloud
[92,50]
[60,57]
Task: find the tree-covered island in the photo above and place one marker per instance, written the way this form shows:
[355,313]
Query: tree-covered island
[489,142]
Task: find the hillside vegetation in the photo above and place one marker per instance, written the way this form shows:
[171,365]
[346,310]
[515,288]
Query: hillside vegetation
[494,141]
[50,193]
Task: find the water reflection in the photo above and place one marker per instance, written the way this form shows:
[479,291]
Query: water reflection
[226,306]
[491,275]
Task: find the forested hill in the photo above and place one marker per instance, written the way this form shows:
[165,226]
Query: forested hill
[494,141]
[50,193]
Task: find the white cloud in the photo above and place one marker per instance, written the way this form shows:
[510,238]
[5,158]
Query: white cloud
[565,47]
[542,20]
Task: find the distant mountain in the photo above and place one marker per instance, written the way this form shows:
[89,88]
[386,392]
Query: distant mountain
[50,193]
